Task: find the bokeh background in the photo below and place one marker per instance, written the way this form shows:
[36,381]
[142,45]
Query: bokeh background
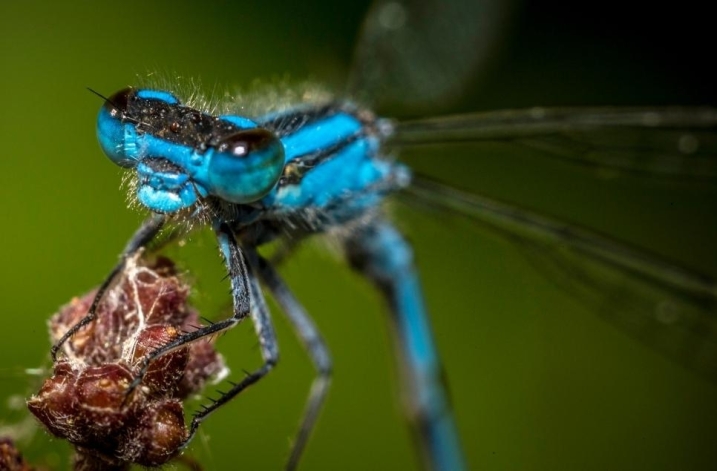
[537,380]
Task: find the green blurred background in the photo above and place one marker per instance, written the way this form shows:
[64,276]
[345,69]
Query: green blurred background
[538,381]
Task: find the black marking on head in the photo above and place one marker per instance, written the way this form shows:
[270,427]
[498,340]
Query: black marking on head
[175,123]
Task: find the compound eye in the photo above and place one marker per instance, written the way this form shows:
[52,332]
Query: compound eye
[246,165]
[116,105]
[246,141]
[111,127]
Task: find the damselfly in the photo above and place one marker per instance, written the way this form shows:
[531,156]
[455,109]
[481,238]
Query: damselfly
[327,171]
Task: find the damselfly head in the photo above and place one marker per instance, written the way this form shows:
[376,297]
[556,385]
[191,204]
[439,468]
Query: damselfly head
[183,155]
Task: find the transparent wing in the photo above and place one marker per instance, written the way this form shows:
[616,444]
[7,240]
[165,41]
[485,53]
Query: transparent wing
[422,52]
[668,141]
[670,308]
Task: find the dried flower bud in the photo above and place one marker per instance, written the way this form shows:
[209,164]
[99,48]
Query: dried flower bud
[86,401]
[10,457]
[165,372]
[158,433]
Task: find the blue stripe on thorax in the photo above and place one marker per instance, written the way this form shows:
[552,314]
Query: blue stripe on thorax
[320,134]
[352,169]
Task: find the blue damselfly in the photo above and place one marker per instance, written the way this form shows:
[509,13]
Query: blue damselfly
[429,208]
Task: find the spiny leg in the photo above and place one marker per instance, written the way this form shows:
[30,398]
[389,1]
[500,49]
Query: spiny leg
[240,287]
[146,232]
[381,254]
[264,329]
[315,346]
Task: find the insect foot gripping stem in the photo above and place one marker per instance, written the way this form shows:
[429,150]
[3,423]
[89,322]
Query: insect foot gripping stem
[86,401]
